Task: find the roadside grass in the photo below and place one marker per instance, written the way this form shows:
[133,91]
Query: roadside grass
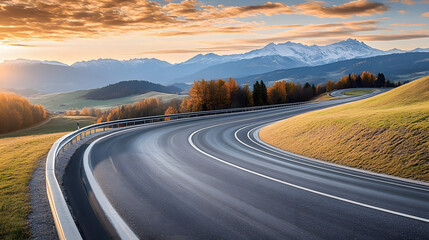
[58,123]
[388,133]
[324,97]
[358,92]
[19,157]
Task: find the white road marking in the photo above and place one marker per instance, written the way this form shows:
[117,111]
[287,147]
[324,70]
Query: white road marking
[315,166]
[297,186]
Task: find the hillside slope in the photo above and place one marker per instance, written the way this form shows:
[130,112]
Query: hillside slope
[59,102]
[388,133]
[128,88]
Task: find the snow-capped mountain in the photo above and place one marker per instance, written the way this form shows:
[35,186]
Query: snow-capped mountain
[113,63]
[52,76]
[308,55]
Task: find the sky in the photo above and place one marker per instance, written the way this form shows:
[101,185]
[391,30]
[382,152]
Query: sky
[75,30]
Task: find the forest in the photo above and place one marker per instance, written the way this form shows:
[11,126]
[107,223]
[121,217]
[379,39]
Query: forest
[220,94]
[16,112]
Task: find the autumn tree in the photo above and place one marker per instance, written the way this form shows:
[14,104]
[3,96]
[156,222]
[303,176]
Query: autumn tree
[16,113]
[330,86]
[84,112]
[277,93]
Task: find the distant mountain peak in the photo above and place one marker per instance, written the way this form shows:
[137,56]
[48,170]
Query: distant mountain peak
[23,61]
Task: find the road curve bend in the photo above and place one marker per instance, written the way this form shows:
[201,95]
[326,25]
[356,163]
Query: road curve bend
[212,178]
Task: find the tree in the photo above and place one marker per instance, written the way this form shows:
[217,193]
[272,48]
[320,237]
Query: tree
[330,86]
[257,94]
[264,93]
[84,112]
[171,110]
[16,113]
[277,93]
[307,92]
[233,90]
[320,89]
[313,88]
[381,80]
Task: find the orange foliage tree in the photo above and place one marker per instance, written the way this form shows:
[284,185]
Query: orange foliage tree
[16,113]
[211,95]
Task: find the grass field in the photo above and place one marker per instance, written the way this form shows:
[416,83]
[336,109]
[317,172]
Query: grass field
[58,123]
[18,159]
[21,151]
[58,102]
[388,133]
[358,92]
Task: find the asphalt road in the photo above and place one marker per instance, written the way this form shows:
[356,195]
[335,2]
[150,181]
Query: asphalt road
[210,178]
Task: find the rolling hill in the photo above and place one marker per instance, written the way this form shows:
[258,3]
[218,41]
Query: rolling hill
[60,102]
[128,88]
[403,67]
[388,133]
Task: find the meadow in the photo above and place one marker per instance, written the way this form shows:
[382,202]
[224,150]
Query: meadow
[388,133]
[60,102]
[21,153]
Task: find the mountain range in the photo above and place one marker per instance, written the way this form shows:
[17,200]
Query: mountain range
[396,67]
[53,76]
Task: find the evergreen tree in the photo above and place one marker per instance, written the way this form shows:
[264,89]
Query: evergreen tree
[257,94]
[314,90]
[381,80]
[264,94]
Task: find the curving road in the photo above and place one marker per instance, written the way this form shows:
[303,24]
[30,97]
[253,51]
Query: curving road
[212,178]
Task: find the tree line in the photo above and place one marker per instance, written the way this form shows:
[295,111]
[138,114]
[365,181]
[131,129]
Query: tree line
[16,112]
[220,94]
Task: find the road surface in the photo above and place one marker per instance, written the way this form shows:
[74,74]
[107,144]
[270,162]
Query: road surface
[210,178]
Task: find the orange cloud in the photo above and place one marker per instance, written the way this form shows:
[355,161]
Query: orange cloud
[56,20]
[357,7]
[426,14]
[410,2]
[407,24]
[356,29]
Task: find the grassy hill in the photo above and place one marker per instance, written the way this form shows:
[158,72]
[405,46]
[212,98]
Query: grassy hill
[388,133]
[58,102]
[128,88]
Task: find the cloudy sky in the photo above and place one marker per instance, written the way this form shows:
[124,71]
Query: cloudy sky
[75,30]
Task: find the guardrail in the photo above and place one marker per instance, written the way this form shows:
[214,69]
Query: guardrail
[64,222]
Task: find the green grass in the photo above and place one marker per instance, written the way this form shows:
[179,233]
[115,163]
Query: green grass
[358,92]
[58,102]
[388,133]
[18,159]
[56,124]
[21,151]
